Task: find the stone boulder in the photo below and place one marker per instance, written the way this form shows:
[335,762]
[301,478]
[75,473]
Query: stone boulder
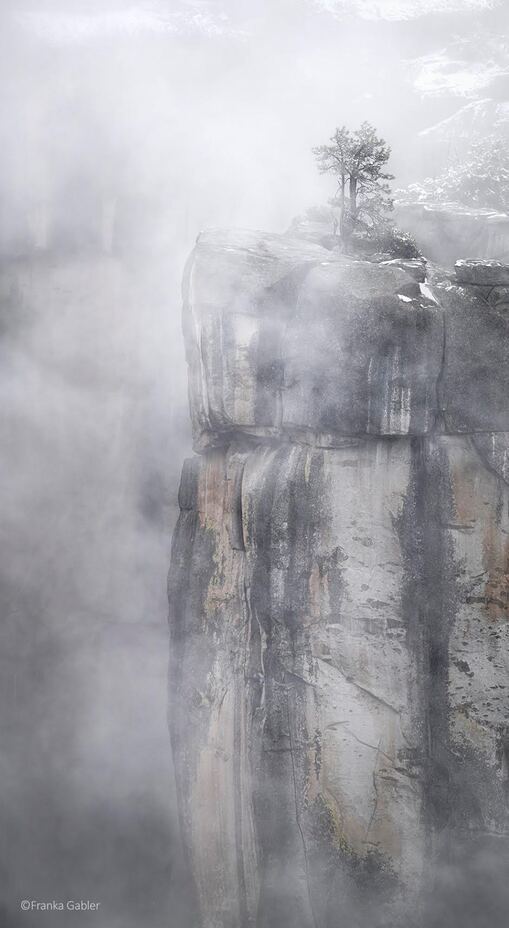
[482,273]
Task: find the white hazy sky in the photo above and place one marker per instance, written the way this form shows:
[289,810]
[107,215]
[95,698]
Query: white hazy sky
[402,9]
[78,26]
[214,18]
[218,103]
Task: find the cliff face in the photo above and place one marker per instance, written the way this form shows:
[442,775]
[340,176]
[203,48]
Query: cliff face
[339,584]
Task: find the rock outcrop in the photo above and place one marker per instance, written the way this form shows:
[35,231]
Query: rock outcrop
[448,231]
[339,587]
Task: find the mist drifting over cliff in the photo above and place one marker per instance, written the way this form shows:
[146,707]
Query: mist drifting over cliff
[125,129]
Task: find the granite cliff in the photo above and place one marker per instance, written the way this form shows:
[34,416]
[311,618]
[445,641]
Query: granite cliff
[339,585]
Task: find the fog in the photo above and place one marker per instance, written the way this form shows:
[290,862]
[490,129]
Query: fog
[126,128]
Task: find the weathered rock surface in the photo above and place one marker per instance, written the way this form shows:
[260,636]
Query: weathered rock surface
[474,382]
[448,231]
[283,337]
[339,587]
[285,340]
[416,267]
[482,273]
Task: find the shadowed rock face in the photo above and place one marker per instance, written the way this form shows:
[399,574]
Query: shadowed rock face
[339,586]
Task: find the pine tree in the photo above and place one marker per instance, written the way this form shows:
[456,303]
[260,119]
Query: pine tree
[358,160]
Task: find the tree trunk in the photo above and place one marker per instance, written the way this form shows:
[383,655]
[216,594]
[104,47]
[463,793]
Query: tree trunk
[342,224]
[348,216]
[353,198]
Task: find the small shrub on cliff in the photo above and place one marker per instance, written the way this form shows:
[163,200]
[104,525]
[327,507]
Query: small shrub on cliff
[394,242]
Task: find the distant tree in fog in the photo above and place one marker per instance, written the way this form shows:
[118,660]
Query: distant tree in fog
[480,179]
[358,161]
